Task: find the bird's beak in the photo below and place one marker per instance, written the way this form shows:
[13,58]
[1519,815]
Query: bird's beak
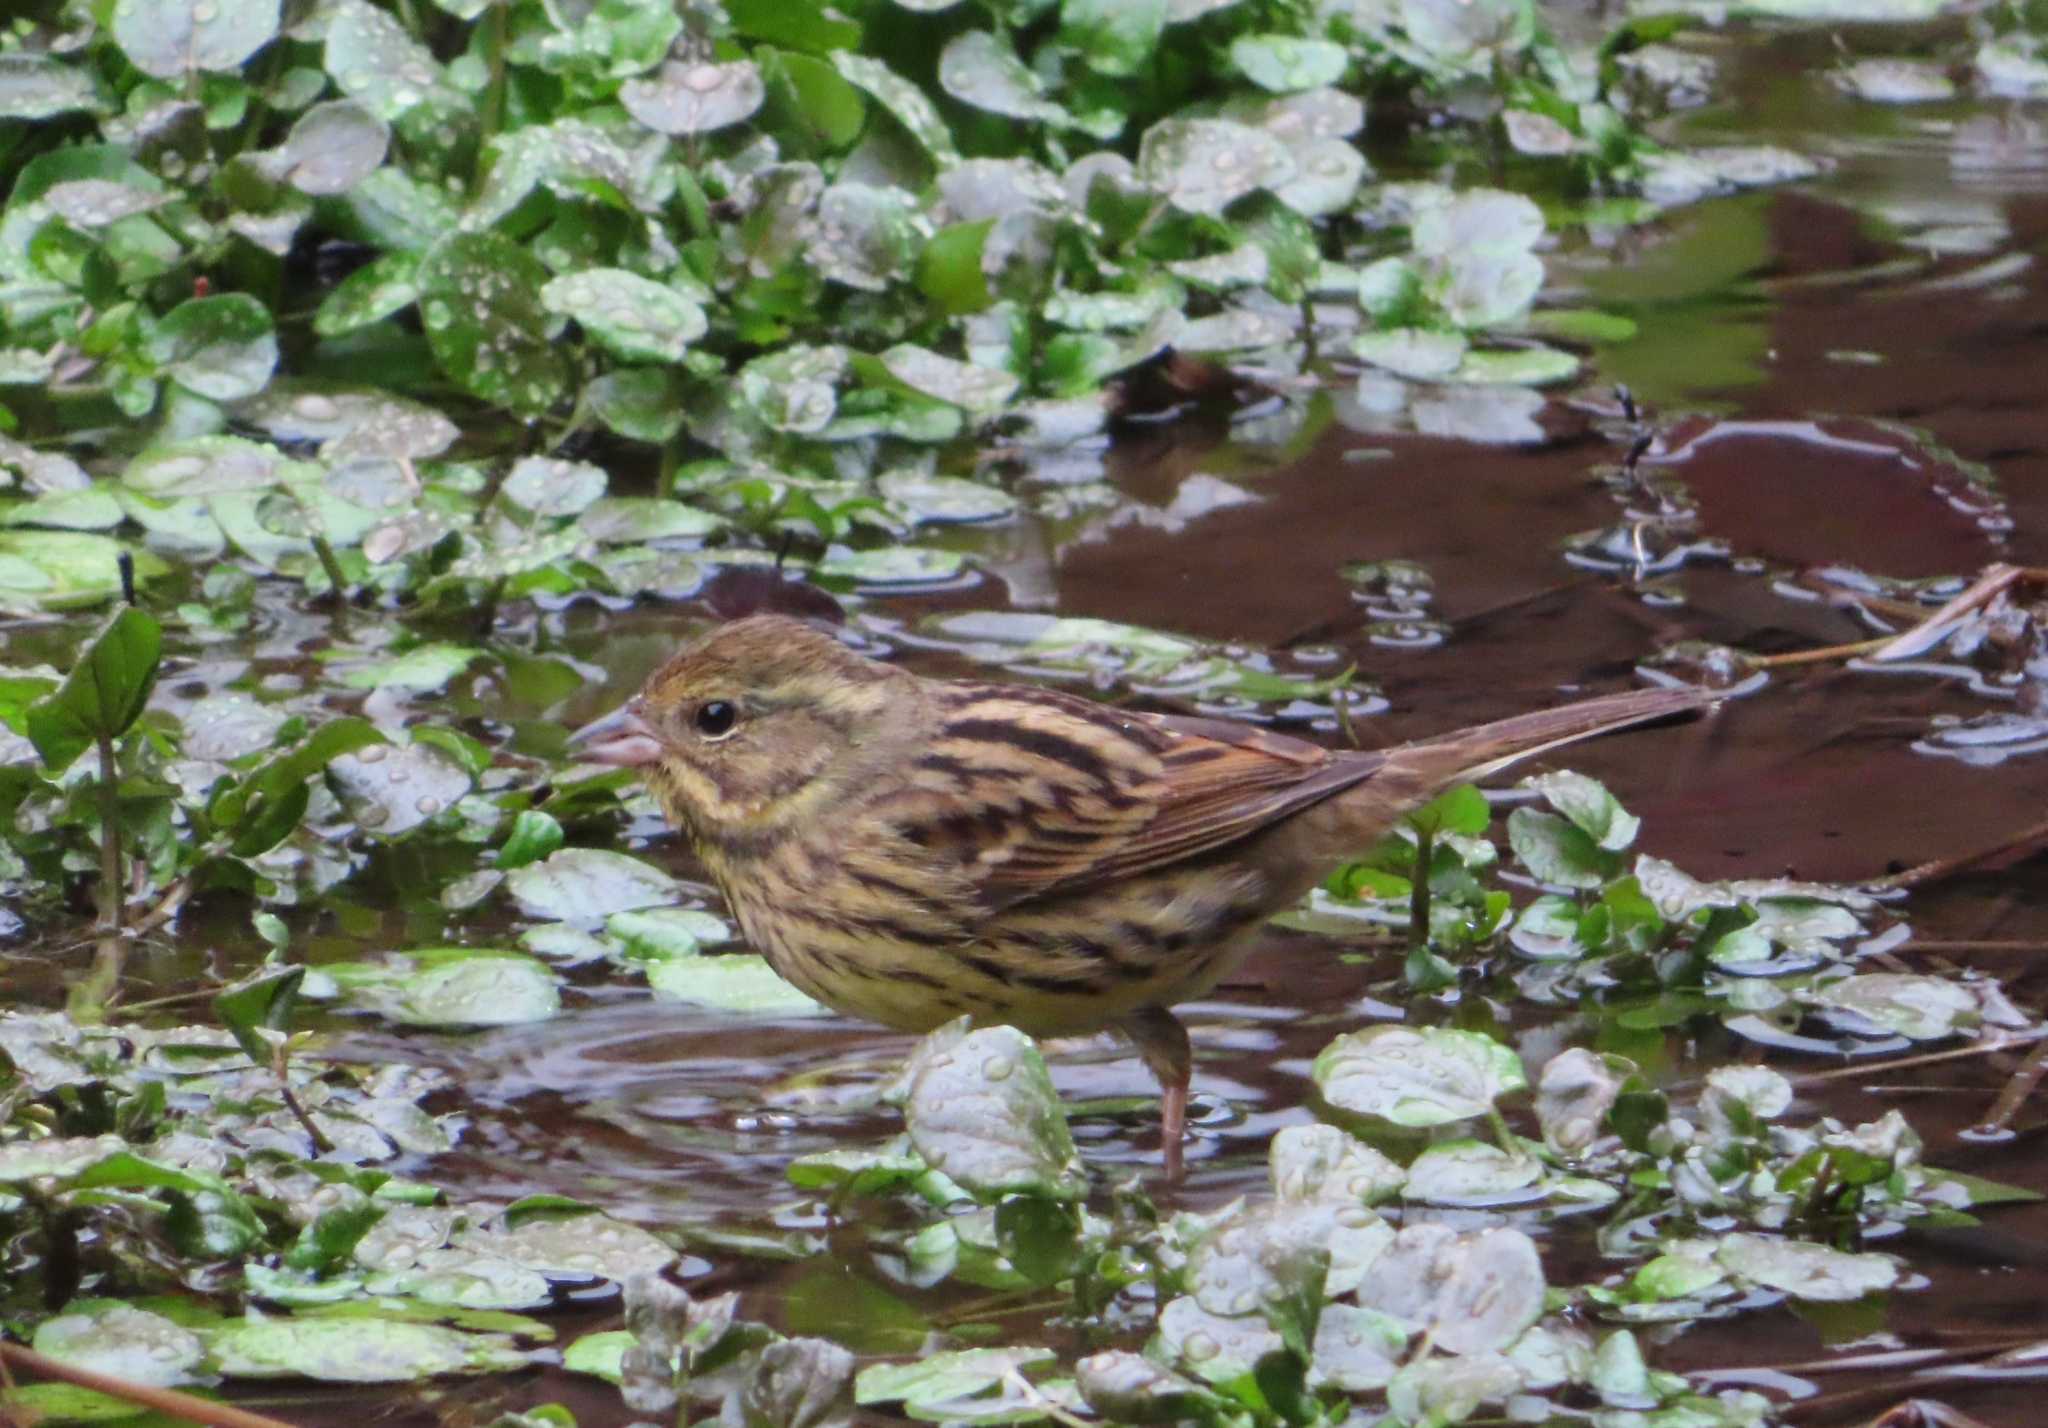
[622,737]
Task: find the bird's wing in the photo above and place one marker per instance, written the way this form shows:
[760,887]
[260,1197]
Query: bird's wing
[1034,792]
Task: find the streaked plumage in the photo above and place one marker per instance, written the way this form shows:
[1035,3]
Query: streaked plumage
[908,850]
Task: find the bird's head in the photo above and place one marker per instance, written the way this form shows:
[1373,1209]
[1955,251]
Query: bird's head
[753,727]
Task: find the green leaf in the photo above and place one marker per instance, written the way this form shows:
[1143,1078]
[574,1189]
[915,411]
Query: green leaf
[172,39]
[825,103]
[1285,64]
[1417,1076]
[534,835]
[480,303]
[588,885]
[355,1350]
[451,986]
[905,102]
[264,808]
[1114,37]
[104,693]
[695,98]
[950,1379]
[982,1110]
[1558,852]
[1462,810]
[739,982]
[264,1002]
[220,347]
[949,269]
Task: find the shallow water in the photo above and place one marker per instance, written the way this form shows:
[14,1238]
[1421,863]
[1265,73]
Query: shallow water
[1822,365]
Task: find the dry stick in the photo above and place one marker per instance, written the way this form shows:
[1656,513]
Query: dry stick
[1823,655]
[2017,1089]
[1872,1068]
[1940,868]
[164,1400]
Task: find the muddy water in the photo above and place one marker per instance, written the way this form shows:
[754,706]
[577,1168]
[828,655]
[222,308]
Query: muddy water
[1822,374]
[679,1119]
[1822,380]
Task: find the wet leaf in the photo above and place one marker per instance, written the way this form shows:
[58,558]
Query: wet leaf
[904,101]
[1921,1008]
[172,39]
[38,86]
[1357,1350]
[262,1003]
[211,466]
[1559,852]
[1413,352]
[694,98]
[551,487]
[740,983]
[480,303]
[391,789]
[1319,1162]
[980,390]
[1286,64]
[104,693]
[1272,1260]
[332,147]
[1472,1173]
[572,1245]
[800,1383]
[1128,1387]
[587,885]
[982,69]
[363,1350]
[981,1109]
[666,932]
[1202,166]
[1450,1390]
[1573,1095]
[1805,1270]
[534,835]
[1412,1076]
[1472,1292]
[1114,37]
[122,1341]
[450,986]
[635,318]
[944,1385]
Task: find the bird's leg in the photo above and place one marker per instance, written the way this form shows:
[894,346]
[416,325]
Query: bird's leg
[1162,1042]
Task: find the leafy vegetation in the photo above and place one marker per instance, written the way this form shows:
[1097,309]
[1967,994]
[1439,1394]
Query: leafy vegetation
[345,347]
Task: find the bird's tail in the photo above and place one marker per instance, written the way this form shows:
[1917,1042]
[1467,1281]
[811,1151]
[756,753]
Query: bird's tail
[1427,767]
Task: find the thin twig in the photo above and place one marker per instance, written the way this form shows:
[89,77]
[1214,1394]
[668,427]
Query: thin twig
[2021,1085]
[1823,655]
[1872,1068]
[1939,868]
[164,1400]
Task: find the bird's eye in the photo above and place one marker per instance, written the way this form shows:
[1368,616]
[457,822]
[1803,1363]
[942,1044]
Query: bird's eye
[715,718]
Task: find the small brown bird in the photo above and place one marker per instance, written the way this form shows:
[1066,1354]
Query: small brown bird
[909,849]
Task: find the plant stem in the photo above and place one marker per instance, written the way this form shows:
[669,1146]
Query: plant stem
[89,996]
[110,895]
[494,92]
[330,564]
[1418,889]
[291,1102]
